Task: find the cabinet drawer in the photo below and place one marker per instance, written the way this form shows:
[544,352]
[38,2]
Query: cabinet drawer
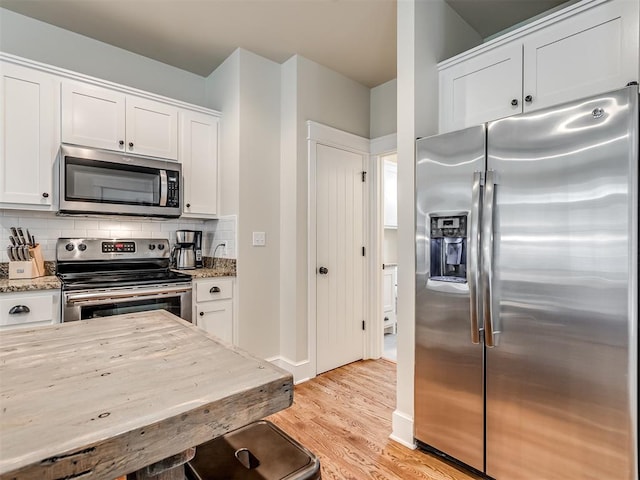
[27,310]
[214,289]
[216,318]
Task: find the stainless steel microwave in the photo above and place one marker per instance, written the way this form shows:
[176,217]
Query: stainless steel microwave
[96,181]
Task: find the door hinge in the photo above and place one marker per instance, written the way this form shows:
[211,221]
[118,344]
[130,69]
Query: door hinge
[363,251]
[364,176]
[363,324]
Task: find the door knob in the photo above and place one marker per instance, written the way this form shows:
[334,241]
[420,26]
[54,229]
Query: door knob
[323,270]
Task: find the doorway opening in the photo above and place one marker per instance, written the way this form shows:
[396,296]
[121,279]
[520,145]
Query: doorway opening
[389,240]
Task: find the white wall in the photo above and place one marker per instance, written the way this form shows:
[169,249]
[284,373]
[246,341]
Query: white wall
[246,89]
[428,32]
[384,106]
[313,92]
[39,41]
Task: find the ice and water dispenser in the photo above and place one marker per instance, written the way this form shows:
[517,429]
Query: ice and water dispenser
[448,248]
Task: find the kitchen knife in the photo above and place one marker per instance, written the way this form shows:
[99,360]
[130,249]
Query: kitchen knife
[14,232]
[12,240]
[30,239]
[10,254]
[25,253]
[21,235]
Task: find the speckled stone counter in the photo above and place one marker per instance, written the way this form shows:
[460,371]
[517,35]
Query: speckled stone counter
[214,267]
[49,282]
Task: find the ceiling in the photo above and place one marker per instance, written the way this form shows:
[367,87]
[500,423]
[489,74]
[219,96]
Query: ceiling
[354,37]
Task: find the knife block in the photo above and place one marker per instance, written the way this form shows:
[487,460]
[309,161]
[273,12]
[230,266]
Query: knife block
[18,270]
[28,269]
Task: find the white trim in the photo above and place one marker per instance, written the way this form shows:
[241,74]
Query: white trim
[384,145]
[318,133]
[527,29]
[336,138]
[301,371]
[71,75]
[379,147]
[402,429]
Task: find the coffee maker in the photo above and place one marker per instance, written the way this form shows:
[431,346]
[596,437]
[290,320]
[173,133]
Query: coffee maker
[187,253]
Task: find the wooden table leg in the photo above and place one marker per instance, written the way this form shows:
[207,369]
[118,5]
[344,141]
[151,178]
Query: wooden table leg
[171,468]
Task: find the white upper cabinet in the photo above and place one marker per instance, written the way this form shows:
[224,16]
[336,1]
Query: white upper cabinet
[487,86]
[390,194]
[98,117]
[588,48]
[592,52]
[29,136]
[199,158]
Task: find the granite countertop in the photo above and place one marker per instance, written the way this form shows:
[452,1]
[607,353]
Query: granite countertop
[50,282]
[214,267]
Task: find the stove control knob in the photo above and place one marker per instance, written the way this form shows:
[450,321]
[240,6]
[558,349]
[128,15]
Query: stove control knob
[152,246]
[69,247]
[160,246]
[82,247]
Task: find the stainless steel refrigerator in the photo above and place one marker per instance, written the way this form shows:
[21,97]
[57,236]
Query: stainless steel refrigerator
[527,293]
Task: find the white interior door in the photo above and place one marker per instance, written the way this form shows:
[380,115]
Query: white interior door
[339,250]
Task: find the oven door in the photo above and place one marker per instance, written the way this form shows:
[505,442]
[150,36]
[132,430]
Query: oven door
[92,304]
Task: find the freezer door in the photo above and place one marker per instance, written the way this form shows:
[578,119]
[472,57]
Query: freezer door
[449,367]
[561,381]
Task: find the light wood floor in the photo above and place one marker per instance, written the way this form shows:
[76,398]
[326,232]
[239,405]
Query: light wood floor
[344,417]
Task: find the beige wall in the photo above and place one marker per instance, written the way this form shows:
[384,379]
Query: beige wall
[428,32]
[310,92]
[39,41]
[384,106]
[246,89]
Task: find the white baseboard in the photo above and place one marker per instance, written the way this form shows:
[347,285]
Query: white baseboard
[301,371]
[402,429]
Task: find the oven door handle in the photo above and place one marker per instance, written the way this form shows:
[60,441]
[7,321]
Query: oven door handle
[140,294]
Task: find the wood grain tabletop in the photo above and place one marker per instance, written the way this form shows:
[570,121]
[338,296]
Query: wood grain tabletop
[101,398]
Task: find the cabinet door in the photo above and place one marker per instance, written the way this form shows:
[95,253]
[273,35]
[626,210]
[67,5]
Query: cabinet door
[390,195]
[482,88]
[93,116]
[199,158]
[29,133]
[152,128]
[216,318]
[29,309]
[591,52]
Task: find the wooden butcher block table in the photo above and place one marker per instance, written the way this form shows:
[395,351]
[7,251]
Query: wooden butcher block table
[101,398]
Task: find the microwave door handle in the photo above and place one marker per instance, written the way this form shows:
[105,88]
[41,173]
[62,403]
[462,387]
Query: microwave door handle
[163,188]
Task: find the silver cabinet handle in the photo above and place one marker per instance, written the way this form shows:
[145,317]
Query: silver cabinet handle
[487,257]
[19,309]
[215,290]
[474,254]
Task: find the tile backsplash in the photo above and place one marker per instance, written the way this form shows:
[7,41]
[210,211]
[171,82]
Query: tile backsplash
[46,227]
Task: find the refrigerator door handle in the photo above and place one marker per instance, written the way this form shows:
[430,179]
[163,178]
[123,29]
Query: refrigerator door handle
[474,255]
[488,205]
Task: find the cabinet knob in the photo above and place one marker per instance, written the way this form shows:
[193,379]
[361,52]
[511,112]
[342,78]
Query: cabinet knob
[528,99]
[18,309]
[45,195]
[201,314]
[514,102]
[121,143]
[323,270]
[214,290]
[188,205]
[130,144]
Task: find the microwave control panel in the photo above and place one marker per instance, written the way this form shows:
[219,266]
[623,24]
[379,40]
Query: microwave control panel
[173,194]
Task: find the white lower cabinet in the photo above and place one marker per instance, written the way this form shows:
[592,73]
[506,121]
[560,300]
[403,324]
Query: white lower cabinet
[213,306]
[29,309]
